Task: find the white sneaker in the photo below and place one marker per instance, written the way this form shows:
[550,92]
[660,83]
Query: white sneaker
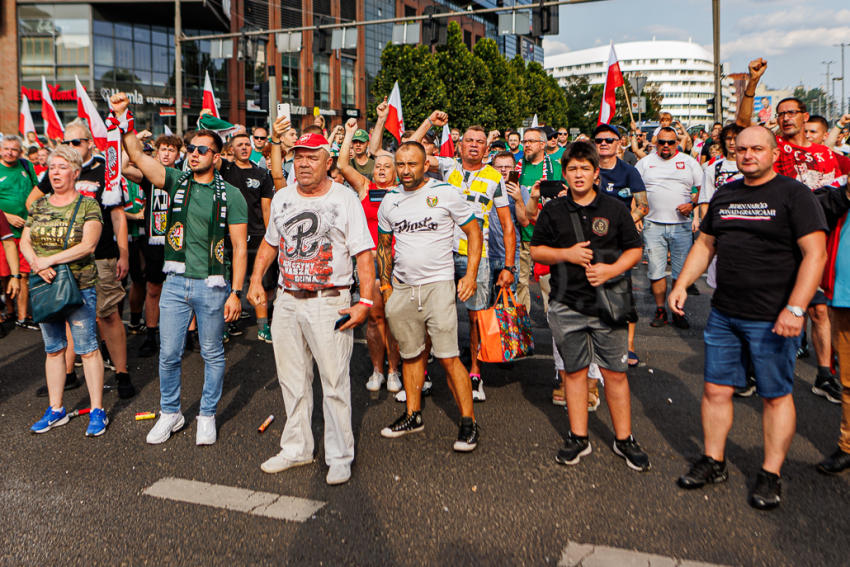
[167,424]
[477,389]
[375,381]
[401,396]
[394,382]
[279,463]
[206,434]
[338,474]
[426,391]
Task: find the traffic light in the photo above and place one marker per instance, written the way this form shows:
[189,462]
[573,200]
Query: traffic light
[434,30]
[544,20]
[709,109]
[261,94]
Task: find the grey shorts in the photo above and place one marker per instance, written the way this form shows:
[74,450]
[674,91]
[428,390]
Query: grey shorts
[414,310]
[582,339]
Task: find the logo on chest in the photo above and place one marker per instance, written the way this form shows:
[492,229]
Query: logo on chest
[599,226]
[431,201]
[680,165]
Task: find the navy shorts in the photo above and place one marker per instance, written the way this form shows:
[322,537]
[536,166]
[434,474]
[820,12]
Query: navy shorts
[731,341]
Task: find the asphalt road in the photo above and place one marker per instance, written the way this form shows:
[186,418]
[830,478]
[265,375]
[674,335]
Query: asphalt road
[66,499]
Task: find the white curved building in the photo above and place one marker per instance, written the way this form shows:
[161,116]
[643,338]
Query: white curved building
[682,70]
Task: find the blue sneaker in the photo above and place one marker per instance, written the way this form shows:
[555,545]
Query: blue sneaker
[97,423]
[51,419]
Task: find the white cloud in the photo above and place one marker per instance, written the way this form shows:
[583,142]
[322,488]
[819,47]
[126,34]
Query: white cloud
[774,41]
[554,46]
[785,19]
[664,32]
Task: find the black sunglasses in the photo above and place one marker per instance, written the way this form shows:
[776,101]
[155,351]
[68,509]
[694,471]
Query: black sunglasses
[608,141]
[666,142]
[201,149]
[76,141]
[260,137]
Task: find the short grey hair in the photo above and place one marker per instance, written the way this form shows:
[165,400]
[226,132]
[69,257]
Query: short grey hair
[67,153]
[13,138]
[80,124]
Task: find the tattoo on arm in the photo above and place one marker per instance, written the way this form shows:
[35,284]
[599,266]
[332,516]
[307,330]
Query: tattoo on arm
[641,205]
[385,257]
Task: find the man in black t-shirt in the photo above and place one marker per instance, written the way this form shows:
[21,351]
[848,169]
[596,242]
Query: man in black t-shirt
[768,232]
[257,187]
[111,254]
[608,246]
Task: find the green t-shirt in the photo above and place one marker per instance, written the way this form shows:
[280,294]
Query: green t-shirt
[48,225]
[135,203]
[16,183]
[529,176]
[198,219]
[556,155]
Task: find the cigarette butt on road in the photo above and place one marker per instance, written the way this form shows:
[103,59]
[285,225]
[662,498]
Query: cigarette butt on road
[145,415]
[266,424]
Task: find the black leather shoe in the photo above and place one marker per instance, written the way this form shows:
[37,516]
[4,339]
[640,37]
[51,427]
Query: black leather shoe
[836,463]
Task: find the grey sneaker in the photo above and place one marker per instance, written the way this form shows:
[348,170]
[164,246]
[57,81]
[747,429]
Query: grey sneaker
[206,434]
[167,424]
[338,474]
[279,463]
[394,382]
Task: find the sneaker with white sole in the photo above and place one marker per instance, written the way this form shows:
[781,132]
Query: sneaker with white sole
[467,437]
[477,388]
[407,423]
[375,381]
[338,474]
[394,382]
[97,423]
[206,434]
[401,397]
[51,418]
[279,463]
[167,424]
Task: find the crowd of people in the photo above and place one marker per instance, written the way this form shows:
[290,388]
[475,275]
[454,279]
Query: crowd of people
[330,231]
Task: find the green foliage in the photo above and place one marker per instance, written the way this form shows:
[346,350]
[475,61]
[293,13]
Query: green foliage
[584,101]
[478,87]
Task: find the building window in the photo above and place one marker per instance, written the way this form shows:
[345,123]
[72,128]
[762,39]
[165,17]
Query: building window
[322,80]
[347,83]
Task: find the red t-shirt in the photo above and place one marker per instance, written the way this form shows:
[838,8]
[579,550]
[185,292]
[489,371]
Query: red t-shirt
[815,165]
[371,202]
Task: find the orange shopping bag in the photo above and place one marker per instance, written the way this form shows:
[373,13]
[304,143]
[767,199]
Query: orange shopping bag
[504,330]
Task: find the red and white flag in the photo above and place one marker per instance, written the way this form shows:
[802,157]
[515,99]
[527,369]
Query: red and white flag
[209,97]
[53,128]
[395,119]
[25,123]
[86,110]
[447,146]
[613,79]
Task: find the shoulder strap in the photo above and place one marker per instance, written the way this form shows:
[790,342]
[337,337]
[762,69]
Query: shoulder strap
[71,224]
[577,226]
[26,165]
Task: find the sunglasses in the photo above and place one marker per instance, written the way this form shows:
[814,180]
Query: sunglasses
[76,141]
[667,142]
[608,141]
[201,149]
[563,133]
[260,137]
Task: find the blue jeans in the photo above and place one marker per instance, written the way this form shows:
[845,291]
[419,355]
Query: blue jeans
[83,327]
[662,238]
[181,297]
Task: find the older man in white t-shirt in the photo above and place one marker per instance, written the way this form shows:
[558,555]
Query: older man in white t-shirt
[672,181]
[316,227]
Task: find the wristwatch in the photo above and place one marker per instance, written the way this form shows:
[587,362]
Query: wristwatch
[16,276]
[237,293]
[796,311]
[511,269]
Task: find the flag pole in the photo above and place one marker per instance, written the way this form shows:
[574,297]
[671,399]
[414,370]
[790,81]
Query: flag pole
[628,104]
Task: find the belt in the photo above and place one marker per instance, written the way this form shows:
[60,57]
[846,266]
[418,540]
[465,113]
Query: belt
[310,294]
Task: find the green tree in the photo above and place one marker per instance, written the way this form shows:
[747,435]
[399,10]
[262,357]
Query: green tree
[516,70]
[468,81]
[503,95]
[545,96]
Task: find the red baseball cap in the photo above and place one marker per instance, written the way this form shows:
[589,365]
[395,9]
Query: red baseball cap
[313,142]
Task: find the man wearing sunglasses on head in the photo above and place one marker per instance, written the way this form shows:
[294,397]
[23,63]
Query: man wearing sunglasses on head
[203,211]
[672,180]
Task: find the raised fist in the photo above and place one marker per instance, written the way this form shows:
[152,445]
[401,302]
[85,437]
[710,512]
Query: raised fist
[439,118]
[119,103]
[757,68]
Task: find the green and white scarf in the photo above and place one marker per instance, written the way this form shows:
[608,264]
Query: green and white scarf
[175,241]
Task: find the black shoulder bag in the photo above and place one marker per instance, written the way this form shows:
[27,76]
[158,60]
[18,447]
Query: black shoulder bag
[614,297]
[54,301]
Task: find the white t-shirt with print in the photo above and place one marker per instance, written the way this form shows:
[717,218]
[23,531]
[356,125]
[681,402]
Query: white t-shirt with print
[423,223]
[716,176]
[316,237]
[668,185]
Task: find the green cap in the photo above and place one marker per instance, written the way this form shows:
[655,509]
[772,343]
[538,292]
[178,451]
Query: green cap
[360,136]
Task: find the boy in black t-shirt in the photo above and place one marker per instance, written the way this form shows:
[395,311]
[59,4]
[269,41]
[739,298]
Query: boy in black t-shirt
[608,246]
[768,232]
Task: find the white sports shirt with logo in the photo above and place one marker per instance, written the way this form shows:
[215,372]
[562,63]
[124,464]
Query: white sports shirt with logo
[423,223]
[668,185]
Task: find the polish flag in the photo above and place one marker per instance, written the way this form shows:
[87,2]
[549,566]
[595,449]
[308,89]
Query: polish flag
[86,109]
[25,123]
[209,98]
[53,128]
[395,119]
[447,146]
[613,79]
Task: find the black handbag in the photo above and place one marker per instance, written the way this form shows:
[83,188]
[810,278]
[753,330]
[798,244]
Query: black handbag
[54,301]
[614,297]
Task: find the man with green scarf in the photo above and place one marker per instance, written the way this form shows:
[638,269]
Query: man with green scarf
[203,211]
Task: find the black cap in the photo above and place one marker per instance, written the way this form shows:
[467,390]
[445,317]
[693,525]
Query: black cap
[550,132]
[607,128]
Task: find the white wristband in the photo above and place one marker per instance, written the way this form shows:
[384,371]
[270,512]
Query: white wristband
[365,301]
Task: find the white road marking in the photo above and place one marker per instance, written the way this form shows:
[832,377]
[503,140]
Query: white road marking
[266,504]
[588,555]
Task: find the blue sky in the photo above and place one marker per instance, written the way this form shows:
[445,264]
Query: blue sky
[794,36]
